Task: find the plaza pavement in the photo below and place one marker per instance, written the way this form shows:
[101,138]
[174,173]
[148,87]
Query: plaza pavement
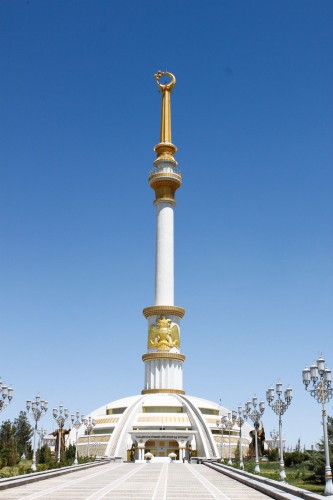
[137,482]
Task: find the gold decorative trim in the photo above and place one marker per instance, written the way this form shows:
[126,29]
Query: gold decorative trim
[163,311]
[160,176]
[164,391]
[165,152]
[164,355]
[165,188]
[164,200]
[170,419]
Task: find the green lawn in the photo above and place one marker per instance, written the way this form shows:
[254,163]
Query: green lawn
[23,467]
[297,475]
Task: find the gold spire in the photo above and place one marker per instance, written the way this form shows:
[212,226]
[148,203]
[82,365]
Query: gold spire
[165,149]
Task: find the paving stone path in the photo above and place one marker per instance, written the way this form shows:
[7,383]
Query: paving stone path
[137,482]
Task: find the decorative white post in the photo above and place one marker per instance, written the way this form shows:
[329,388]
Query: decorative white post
[76,423]
[255,415]
[220,423]
[60,417]
[322,392]
[41,433]
[240,422]
[36,409]
[6,394]
[274,436]
[279,407]
[90,424]
[229,422]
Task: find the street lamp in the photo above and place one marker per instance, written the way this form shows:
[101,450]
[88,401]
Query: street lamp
[279,407]
[76,422]
[96,448]
[321,378]
[36,408]
[240,422]
[274,436]
[60,416]
[6,393]
[229,422]
[220,424]
[41,433]
[255,415]
[90,424]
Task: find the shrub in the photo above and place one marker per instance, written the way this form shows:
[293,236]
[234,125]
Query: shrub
[70,452]
[316,464]
[273,455]
[294,458]
[44,455]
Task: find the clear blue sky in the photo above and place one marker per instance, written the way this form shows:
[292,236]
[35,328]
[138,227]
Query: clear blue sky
[252,118]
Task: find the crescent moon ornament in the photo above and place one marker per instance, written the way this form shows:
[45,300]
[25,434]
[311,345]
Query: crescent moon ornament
[166,86]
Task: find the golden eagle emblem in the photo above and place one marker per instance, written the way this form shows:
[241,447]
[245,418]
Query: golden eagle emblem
[162,335]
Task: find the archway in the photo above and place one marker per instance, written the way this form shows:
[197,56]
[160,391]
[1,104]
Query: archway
[162,447]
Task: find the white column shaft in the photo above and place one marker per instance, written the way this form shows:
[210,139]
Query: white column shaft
[163,374]
[164,272]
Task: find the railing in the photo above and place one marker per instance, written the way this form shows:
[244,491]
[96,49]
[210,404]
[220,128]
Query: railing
[271,487]
[164,170]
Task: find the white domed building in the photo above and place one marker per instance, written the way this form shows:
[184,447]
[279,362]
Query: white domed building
[163,419]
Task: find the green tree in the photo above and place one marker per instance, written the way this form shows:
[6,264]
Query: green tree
[8,446]
[70,452]
[298,445]
[44,455]
[273,455]
[6,434]
[23,433]
[317,458]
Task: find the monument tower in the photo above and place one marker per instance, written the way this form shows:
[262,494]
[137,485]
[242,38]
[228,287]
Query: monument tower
[163,361]
[162,419]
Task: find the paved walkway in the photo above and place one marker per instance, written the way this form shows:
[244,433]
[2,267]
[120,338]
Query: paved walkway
[137,482]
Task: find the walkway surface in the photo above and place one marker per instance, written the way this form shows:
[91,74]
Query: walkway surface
[137,482]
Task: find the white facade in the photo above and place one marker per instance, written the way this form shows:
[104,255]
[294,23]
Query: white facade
[158,423]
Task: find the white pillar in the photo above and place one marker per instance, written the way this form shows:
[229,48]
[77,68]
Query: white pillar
[181,450]
[141,450]
[164,272]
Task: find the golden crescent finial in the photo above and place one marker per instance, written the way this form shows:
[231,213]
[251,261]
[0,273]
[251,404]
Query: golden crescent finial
[167,86]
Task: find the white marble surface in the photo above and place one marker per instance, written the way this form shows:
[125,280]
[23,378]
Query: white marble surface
[138,482]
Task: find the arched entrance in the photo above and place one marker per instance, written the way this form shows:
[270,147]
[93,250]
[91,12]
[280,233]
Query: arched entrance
[162,447]
[160,444]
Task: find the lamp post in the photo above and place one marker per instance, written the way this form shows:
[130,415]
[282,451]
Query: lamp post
[76,422]
[229,422]
[60,416]
[220,424]
[240,422]
[274,436]
[279,407]
[90,424]
[36,408]
[41,433]
[321,378]
[6,394]
[255,415]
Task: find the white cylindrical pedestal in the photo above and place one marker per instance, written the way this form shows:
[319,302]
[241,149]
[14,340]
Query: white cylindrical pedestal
[163,374]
